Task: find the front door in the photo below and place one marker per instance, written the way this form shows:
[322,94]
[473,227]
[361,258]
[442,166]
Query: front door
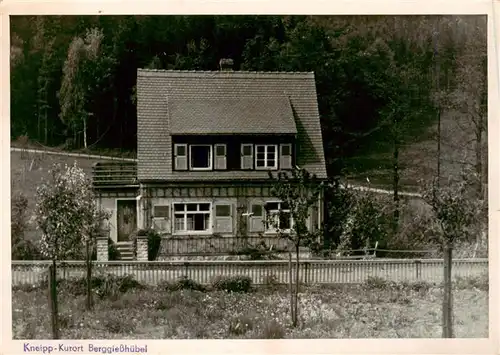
[127,218]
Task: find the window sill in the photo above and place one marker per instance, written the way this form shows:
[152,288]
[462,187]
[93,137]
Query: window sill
[200,169]
[272,168]
[275,232]
[197,233]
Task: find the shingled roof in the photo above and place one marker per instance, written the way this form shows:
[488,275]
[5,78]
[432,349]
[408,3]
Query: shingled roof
[234,115]
[203,102]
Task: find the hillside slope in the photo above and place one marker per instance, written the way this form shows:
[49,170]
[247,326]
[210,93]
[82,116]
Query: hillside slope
[418,160]
[28,170]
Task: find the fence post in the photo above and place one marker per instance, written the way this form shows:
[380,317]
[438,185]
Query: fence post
[102,248]
[89,275]
[418,268]
[306,275]
[447,299]
[53,300]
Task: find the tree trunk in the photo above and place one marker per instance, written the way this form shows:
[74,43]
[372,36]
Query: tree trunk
[97,129]
[395,184]
[85,132]
[74,136]
[89,275]
[53,300]
[479,157]
[39,113]
[438,87]
[290,284]
[296,291]
[46,129]
[447,299]
[438,173]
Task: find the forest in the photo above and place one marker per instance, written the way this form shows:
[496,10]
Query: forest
[383,82]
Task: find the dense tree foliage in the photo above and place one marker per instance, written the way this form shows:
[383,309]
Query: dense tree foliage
[73,77]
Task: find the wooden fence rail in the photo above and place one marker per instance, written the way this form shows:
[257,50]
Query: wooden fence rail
[261,272]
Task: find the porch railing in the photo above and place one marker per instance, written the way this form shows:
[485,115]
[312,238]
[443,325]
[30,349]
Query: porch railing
[195,245]
[114,173]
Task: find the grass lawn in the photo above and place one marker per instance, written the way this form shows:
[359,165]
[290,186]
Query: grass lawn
[370,310]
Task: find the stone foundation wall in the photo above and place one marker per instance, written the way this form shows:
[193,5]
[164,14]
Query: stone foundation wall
[142,249]
[102,249]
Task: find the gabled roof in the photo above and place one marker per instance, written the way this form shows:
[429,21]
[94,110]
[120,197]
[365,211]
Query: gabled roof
[231,115]
[281,97]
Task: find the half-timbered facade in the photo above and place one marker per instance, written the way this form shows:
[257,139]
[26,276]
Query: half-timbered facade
[205,144]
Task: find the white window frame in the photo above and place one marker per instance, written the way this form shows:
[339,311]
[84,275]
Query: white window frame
[210,156]
[276,154]
[186,212]
[273,229]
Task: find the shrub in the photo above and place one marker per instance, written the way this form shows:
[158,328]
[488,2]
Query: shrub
[183,283]
[272,330]
[420,286]
[375,282]
[415,231]
[113,253]
[111,285]
[368,222]
[76,287]
[154,243]
[18,224]
[21,249]
[237,283]
[103,285]
[25,250]
[270,280]
[481,282]
[240,325]
[117,325]
[259,251]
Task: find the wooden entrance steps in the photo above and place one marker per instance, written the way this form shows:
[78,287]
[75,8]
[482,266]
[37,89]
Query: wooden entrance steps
[126,250]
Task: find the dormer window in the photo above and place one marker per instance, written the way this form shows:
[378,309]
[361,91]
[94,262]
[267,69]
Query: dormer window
[266,156]
[229,153]
[201,157]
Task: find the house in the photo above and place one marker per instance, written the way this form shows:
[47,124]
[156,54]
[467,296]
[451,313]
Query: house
[205,143]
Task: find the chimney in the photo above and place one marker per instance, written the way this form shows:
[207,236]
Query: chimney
[226,64]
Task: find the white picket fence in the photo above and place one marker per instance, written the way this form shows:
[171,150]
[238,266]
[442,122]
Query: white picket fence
[261,272]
